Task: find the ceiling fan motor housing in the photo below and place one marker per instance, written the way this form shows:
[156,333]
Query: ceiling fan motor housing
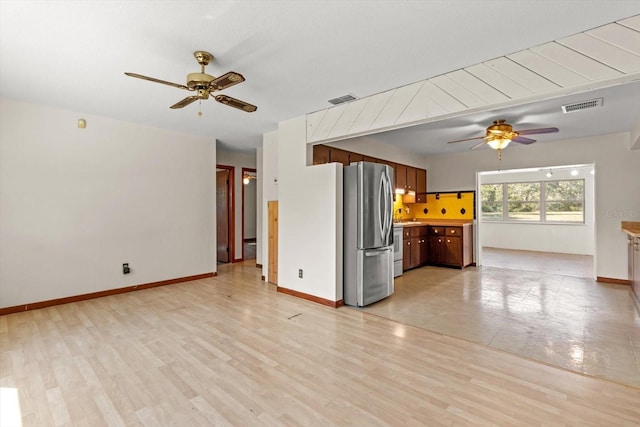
[198,80]
[501,130]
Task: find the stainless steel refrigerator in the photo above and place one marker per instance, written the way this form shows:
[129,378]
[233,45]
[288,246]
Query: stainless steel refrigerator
[367,233]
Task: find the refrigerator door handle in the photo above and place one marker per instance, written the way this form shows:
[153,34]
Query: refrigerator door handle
[389,204]
[386,196]
[382,206]
[378,252]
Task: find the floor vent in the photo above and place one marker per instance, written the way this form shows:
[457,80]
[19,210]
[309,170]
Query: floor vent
[583,105]
[342,99]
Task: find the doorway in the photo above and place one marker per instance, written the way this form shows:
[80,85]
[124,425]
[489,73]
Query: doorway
[249,220]
[224,213]
[537,219]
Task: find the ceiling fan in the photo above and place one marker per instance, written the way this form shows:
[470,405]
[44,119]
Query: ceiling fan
[500,134]
[204,85]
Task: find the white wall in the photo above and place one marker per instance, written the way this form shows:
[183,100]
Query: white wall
[239,161]
[310,217]
[617,183]
[634,142]
[560,238]
[75,204]
[269,185]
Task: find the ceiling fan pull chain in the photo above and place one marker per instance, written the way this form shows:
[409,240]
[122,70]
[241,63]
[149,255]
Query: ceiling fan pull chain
[200,109]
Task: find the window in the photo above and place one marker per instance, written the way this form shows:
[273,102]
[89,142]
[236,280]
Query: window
[565,201]
[545,201]
[523,201]
[491,195]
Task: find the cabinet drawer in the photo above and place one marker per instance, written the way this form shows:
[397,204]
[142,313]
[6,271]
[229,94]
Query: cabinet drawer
[416,231]
[439,231]
[453,231]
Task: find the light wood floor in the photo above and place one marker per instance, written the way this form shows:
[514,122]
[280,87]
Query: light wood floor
[229,350]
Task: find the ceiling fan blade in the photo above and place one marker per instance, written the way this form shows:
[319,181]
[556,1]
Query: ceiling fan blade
[478,145]
[537,131]
[188,100]
[523,140]
[151,79]
[463,140]
[226,80]
[236,103]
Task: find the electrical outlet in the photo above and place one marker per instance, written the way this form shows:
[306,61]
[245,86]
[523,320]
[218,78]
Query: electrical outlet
[125,268]
[300,273]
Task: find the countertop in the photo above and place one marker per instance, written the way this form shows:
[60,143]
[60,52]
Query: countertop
[631,228]
[442,222]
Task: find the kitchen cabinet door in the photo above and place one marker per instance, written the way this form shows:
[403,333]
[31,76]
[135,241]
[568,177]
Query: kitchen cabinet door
[401,176]
[453,250]
[411,179]
[424,250]
[436,249]
[415,251]
[406,254]
[421,181]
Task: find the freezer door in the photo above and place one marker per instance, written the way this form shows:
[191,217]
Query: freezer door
[374,275]
[375,206]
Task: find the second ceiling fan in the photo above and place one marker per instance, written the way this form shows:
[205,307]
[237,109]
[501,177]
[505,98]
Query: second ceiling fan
[501,133]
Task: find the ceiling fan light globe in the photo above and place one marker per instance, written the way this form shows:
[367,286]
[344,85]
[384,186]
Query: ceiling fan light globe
[498,144]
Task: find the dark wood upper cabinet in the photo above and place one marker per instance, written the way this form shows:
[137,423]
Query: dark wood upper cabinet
[421,181]
[401,176]
[321,154]
[339,156]
[405,177]
[411,179]
[355,157]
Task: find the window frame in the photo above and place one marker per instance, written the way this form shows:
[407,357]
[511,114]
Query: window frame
[542,203]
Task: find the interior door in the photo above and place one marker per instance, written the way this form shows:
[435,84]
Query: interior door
[222,215]
[272,230]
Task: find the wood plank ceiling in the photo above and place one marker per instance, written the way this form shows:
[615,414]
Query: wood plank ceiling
[600,57]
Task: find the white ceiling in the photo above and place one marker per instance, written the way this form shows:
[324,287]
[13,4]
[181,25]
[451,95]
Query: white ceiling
[295,55]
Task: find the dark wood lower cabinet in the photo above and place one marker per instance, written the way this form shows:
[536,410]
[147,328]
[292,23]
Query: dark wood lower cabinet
[406,254]
[436,250]
[415,247]
[437,245]
[424,250]
[453,251]
[451,246]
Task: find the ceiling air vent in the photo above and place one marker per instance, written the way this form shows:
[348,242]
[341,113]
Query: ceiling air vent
[342,99]
[582,105]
